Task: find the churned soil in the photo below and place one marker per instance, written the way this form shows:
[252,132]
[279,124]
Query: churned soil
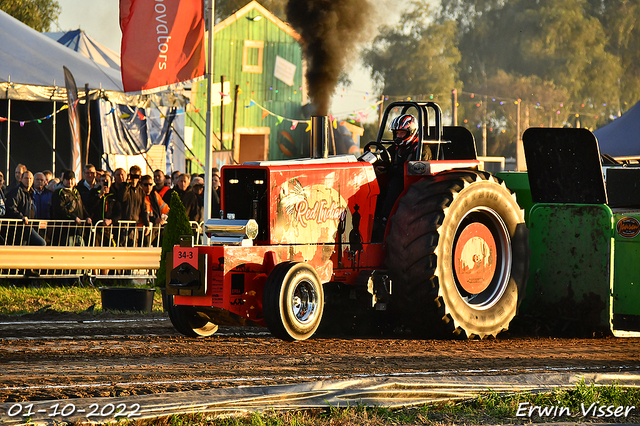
[59,355]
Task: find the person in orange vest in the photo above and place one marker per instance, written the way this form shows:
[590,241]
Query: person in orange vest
[159,178]
[157,208]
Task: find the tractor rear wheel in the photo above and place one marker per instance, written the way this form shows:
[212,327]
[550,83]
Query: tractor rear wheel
[457,251]
[293,301]
[189,321]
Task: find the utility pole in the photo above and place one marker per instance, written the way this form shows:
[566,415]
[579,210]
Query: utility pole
[209,136]
[484,128]
[222,112]
[521,164]
[454,107]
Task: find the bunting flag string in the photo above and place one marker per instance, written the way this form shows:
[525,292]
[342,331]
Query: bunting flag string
[554,107]
[279,118]
[360,115]
[35,120]
[353,117]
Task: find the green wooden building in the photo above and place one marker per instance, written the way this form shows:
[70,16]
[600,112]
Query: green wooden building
[259,58]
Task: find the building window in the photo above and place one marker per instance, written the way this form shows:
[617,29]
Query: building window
[252,56]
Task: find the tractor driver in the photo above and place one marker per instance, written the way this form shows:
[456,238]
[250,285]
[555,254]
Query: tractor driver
[405,148]
[391,178]
[405,136]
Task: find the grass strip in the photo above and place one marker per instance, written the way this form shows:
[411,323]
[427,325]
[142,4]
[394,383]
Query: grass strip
[32,298]
[584,403]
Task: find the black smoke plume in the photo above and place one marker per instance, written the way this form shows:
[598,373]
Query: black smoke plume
[331,31]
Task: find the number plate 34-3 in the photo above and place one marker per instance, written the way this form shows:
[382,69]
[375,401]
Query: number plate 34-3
[185,255]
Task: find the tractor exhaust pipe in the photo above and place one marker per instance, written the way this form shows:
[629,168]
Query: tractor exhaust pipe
[319,136]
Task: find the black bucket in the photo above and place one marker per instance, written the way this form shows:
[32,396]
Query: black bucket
[127,299]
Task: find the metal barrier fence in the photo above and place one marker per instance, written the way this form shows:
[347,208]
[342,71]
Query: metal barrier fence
[122,250]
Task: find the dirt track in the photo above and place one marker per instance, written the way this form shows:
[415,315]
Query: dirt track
[64,356]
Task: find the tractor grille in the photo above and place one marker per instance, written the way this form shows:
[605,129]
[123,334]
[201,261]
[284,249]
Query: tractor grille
[246,196]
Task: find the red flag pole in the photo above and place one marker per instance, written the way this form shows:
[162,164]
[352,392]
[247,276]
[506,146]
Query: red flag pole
[209,129]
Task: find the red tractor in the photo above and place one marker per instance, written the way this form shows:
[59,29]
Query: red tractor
[452,256]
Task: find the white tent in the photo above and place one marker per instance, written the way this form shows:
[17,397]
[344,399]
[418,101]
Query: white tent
[82,43]
[31,67]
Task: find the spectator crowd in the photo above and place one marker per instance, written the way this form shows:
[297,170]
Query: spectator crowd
[100,198]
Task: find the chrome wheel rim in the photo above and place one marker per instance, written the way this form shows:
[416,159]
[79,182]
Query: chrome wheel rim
[304,302]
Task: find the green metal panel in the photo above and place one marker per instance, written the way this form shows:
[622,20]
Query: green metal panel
[518,182]
[626,271]
[571,251]
[266,90]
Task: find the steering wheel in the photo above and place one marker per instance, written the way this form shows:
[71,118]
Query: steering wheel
[381,155]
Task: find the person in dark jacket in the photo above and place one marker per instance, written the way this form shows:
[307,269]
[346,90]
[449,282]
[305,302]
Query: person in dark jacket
[66,201]
[3,208]
[131,196]
[41,196]
[133,207]
[197,187]
[188,198]
[106,211]
[174,184]
[67,205]
[19,205]
[20,169]
[89,188]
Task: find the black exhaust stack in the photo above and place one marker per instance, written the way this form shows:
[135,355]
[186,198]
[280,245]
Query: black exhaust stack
[319,136]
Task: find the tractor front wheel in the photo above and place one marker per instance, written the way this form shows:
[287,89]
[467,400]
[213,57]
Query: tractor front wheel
[189,321]
[293,301]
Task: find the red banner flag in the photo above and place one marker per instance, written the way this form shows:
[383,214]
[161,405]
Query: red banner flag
[162,42]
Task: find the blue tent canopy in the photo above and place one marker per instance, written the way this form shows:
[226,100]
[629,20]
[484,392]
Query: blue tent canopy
[621,138]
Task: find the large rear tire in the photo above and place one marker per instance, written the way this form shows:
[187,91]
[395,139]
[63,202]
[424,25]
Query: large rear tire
[457,252]
[189,321]
[293,301]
